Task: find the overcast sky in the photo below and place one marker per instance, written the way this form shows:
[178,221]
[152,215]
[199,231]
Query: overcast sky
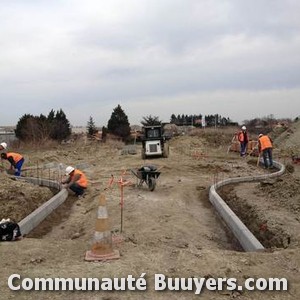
[238,58]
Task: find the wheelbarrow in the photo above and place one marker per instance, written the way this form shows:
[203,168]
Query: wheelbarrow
[148,175]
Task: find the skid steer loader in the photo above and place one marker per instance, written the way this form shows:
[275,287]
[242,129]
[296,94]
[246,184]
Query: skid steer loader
[154,143]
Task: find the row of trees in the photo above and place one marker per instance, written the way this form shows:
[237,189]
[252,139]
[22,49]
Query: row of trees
[118,125]
[38,128]
[266,124]
[200,120]
[57,127]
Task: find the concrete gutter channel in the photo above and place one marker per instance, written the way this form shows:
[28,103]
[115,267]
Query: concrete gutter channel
[37,216]
[247,240]
[245,237]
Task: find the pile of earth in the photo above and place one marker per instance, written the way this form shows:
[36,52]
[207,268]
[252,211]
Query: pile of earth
[271,212]
[288,143]
[285,190]
[19,198]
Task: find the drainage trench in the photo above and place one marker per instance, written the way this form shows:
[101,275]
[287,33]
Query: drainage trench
[243,234]
[244,230]
[227,240]
[59,208]
[55,218]
[31,221]
[270,236]
[55,210]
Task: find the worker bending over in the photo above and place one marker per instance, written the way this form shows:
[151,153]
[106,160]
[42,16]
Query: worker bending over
[76,181]
[16,161]
[265,146]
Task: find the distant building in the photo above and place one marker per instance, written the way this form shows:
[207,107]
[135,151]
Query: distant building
[79,129]
[7,135]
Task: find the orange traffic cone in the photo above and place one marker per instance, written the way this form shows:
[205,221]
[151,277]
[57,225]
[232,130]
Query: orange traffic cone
[102,242]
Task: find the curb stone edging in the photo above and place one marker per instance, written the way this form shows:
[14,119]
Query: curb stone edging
[37,216]
[245,237]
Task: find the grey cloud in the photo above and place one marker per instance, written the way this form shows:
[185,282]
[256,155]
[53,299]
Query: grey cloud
[274,18]
[61,53]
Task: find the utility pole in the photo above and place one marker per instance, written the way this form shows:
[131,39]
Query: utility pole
[203,122]
[215,121]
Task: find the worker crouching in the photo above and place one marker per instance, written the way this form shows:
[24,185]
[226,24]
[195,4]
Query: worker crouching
[76,181]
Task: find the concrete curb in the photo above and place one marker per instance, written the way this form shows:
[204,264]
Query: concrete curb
[37,216]
[247,240]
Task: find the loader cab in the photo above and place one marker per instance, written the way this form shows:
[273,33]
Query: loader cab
[153,142]
[153,132]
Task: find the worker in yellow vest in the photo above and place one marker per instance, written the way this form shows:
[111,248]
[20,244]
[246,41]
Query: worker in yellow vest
[76,181]
[265,146]
[16,161]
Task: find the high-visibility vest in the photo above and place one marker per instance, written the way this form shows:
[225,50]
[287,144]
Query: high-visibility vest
[82,181]
[265,142]
[241,136]
[16,156]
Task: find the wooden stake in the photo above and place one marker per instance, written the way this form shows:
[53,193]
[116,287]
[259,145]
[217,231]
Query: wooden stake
[233,139]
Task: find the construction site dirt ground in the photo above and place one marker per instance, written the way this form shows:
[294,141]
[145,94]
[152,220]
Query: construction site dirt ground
[173,230]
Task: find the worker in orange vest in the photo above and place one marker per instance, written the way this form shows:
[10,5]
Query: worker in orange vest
[243,139]
[16,161]
[265,146]
[76,181]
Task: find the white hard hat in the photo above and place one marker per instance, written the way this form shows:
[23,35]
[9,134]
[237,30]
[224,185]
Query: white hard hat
[244,128]
[4,145]
[69,170]
[260,135]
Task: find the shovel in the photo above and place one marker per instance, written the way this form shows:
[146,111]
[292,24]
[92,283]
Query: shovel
[258,160]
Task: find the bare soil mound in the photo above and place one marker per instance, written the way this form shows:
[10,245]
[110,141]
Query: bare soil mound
[272,212]
[288,143]
[18,198]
